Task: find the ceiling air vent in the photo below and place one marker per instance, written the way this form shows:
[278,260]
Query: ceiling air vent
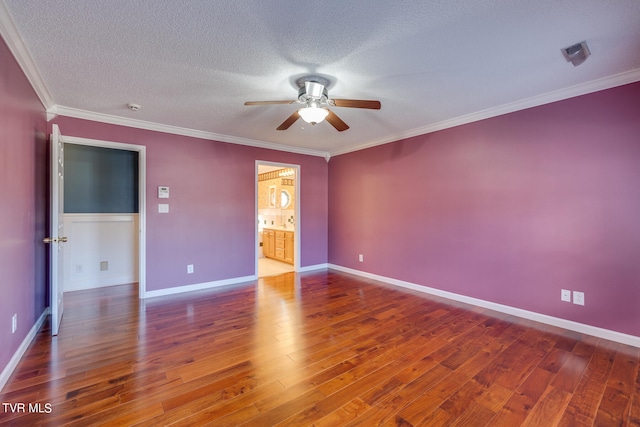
[577,53]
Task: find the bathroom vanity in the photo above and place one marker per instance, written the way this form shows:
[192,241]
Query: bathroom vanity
[278,244]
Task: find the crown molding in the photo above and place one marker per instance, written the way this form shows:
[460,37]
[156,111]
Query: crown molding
[13,39]
[52,113]
[609,82]
[175,130]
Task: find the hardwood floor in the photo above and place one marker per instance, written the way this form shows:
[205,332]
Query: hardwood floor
[323,349]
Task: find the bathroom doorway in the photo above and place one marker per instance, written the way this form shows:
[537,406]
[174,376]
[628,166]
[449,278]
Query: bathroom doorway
[277,218]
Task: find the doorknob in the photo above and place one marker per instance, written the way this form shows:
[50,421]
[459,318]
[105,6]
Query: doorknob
[54,239]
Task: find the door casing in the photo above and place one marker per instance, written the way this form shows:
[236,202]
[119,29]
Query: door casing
[296,227]
[142,203]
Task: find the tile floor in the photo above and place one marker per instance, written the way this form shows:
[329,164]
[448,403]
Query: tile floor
[271,267]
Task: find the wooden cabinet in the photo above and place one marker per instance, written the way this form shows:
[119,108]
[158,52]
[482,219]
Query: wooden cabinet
[268,243]
[288,247]
[278,244]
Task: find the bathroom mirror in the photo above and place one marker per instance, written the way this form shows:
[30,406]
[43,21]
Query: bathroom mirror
[285,199]
[272,196]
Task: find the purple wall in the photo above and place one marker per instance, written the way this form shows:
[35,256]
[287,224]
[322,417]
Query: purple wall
[509,210]
[211,220]
[23,171]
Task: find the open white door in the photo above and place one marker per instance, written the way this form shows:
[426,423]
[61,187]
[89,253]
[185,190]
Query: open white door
[56,231]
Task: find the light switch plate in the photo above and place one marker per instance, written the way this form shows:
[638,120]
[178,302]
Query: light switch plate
[565,295]
[163,208]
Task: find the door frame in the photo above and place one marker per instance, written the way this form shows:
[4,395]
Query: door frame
[296,226]
[142,198]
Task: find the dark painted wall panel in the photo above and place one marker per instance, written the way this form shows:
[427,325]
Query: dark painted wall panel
[100,180]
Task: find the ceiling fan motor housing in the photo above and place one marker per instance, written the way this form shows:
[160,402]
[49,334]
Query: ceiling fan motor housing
[313,93]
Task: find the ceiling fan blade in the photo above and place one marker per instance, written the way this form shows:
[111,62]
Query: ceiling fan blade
[336,122]
[357,103]
[290,120]
[267,102]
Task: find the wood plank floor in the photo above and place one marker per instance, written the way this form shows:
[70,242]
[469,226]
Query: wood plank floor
[323,349]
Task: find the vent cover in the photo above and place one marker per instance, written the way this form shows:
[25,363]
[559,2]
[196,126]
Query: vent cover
[576,54]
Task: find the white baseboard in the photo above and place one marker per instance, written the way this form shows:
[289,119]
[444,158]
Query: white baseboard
[197,287]
[218,283]
[525,314]
[94,283]
[313,267]
[11,366]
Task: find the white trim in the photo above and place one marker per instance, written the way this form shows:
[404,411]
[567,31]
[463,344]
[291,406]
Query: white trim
[13,39]
[198,286]
[101,143]
[13,363]
[609,82]
[525,314]
[176,130]
[52,112]
[313,267]
[91,217]
[92,283]
[142,197]
[535,101]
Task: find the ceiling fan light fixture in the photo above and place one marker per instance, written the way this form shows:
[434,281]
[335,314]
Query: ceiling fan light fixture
[313,115]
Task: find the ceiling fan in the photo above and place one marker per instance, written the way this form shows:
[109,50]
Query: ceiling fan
[315,101]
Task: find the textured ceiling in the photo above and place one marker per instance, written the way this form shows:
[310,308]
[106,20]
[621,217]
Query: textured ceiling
[192,64]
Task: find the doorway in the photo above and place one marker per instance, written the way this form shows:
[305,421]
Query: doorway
[277,218]
[115,221]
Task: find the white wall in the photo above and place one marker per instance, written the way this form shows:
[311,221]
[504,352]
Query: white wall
[94,238]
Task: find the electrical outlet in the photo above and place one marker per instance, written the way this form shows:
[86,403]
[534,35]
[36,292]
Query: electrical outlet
[361,258]
[14,323]
[79,268]
[189,268]
[565,295]
[104,265]
[578,298]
